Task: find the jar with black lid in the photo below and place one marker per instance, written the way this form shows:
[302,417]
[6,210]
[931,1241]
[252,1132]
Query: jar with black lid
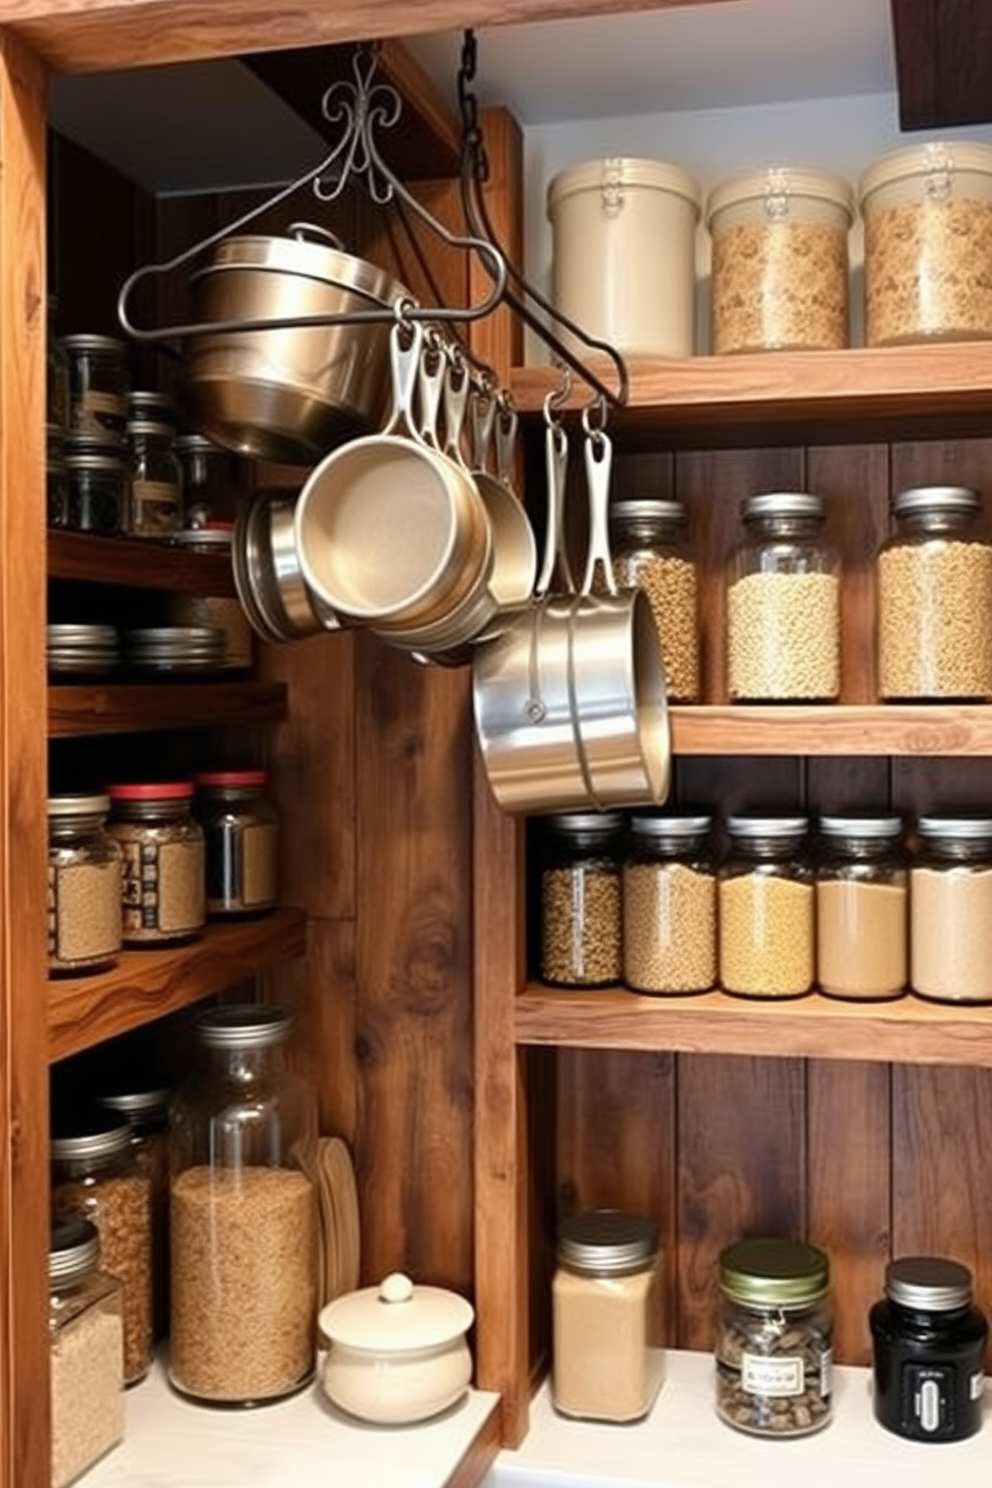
[241,834]
[928,1351]
[950,908]
[774,1338]
[155,506]
[164,886]
[84,886]
[98,386]
[766,908]
[862,907]
[669,903]
[581,899]
[651,552]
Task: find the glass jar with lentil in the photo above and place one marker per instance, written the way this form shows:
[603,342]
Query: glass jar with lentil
[766,908]
[950,908]
[581,904]
[84,886]
[669,903]
[862,907]
[145,1108]
[164,887]
[651,552]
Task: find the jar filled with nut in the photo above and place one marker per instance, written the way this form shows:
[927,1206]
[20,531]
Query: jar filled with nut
[650,552]
[774,1338]
[950,908]
[862,907]
[933,579]
[766,908]
[84,886]
[164,887]
[669,904]
[783,603]
[145,1108]
[581,899]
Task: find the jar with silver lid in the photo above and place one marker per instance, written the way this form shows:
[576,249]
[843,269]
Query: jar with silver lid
[97,487]
[155,506]
[950,908]
[217,611]
[241,833]
[207,484]
[84,886]
[607,1355]
[80,651]
[669,903]
[98,386]
[783,603]
[651,552]
[581,906]
[774,1338]
[164,886]
[862,907]
[933,579]
[766,908]
[152,406]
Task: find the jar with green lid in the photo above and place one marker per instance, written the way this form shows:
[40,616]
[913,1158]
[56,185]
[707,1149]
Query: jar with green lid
[84,886]
[774,1338]
[155,505]
[651,552]
[241,834]
[607,1352]
[933,578]
[164,885]
[581,905]
[862,907]
[145,1108]
[766,908]
[86,1339]
[783,603]
[950,908]
[98,386]
[669,903]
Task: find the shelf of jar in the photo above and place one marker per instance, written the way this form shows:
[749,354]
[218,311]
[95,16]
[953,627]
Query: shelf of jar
[906,1030]
[920,729]
[80,711]
[148,983]
[137,563]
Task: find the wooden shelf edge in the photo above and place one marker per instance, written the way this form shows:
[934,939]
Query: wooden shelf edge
[137,564]
[923,729]
[80,711]
[147,984]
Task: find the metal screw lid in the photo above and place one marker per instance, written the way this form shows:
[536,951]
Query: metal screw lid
[242,1025]
[935,499]
[137,1105]
[607,1242]
[883,828]
[928,1283]
[974,828]
[646,509]
[774,1273]
[781,828]
[670,824]
[77,808]
[782,504]
[74,1248]
[97,1134]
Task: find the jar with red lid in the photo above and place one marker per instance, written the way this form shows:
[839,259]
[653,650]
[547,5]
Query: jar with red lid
[241,832]
[164,885]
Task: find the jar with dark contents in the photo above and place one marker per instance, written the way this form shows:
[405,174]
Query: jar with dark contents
[207,484]
[98,387]
[97,486]
[669,903]
[581,899]
[146,1111]
[164,886]
[651,552]
[84,886]
[774,1338]
[56,483]
[155,506]
[241,832]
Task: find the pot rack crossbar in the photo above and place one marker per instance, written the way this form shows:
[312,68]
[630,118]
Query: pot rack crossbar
[363,107]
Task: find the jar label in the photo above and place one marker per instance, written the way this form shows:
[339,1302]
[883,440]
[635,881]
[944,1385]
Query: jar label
[259,855]
[155,506]
[772,1377]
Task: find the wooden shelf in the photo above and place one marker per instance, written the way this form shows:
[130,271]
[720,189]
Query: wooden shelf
[137,564]
[77,712]
[923,729]
[147,984]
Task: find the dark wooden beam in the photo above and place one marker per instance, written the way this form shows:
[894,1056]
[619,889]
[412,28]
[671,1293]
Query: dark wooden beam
[943,52]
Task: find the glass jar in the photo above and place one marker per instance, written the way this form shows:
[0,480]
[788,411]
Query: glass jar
[928,1351]
[164,886]
[146,1111]
[950,909]
[97,486]
[56,479]
[155,507]
[862,907]
[581,909]
[650,552]
[607,1356]
[243,1213]
[766,908]
[95,1177]
[217,611]
[207,484]
[150,405]
[933,579]
[86,1333]
[927,217]
[84,886]
[779,277]
[98,387]
[241,831]
[669,904]
[783,603]
[774,1338]
[57,373]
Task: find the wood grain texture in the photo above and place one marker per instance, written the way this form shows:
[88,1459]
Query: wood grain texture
[131,562]
[77,711]
[943,62]
[924,731]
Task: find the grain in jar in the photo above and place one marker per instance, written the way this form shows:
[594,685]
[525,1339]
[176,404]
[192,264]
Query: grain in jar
[780,260]
[84,886]
[950,908]
[669,904]
[783,603]
[241,837]
[766,908]
[862,907]
[164,883]
[933,581]
[581,899]
[651,552]
[145,1108]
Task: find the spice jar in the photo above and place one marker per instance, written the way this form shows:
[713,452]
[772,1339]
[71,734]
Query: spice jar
[97,486]
[928,1354]
[218,611]
[86,1333]
[155,508]
[669,904]
[95,1177]
[84,886]
[146,1111]
[933,578]
[950,909]
[98,387]
[927,216]
[607,1359]
[766,907]
[164,885]
[650,552]
[779,277]
[581,908]
[207,484]
[774,1338]
[241,833]
[862,907]
[243,1213]
[783,603]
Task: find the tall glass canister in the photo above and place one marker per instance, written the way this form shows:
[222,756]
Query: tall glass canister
[651,552]
[862,907]
[950,908]
[766,908]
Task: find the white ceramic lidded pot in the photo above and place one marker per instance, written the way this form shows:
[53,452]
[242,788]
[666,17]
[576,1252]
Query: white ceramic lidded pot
[397,1352]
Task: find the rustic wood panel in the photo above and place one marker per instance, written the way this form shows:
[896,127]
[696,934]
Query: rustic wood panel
[943,62]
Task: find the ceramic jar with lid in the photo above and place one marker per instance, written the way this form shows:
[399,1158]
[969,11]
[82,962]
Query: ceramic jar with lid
[669,903]
[85,869]
[950,908]
[651,552]
[766,907]
[164,885]
[862,907]
[581,899]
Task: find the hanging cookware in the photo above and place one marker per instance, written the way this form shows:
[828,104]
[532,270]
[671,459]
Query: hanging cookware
[270,585]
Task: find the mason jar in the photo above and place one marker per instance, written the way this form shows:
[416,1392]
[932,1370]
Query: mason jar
[98,387]
[766,908]
[950,908]
[669,903]
[862,907]
[241,839]
[56,481]
[84,886]
[774,1338]
[97,485]
[783,603]
[155,505]
[651,552]
[218,611]
[933,579]
[581,907]
[145,1108]
[243,1213]
[207,485]
[164,884]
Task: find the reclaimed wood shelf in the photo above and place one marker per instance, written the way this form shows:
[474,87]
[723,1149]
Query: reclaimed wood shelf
[77,712]
[137,564]
[834,729]
[148,983]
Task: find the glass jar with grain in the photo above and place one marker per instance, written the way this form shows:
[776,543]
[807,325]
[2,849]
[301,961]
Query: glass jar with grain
[581,903]
[84,886]
[862,907]
[145,1108]
[243,1213]
[651,552]
[164,885]
[766,908]
[933,580]
[669,903]
[950,908]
